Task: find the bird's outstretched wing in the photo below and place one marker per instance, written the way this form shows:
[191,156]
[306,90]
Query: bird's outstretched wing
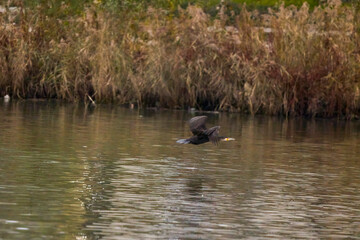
[197,124]
[213,134]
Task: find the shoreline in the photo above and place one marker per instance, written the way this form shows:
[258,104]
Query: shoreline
[189,110]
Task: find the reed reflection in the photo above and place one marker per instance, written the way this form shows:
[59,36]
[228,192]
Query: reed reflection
[111,172]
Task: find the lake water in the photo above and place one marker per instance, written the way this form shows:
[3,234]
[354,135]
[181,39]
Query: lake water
[71,172]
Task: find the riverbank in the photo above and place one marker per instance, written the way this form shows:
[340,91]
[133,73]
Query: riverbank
[306,64]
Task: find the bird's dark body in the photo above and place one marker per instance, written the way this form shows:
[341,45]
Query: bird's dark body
[198,139]
[200,133]
[203,137]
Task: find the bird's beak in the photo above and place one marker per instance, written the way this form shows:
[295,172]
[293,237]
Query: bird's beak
[229,139]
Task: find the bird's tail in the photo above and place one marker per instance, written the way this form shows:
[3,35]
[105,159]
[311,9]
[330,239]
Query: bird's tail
[183,141]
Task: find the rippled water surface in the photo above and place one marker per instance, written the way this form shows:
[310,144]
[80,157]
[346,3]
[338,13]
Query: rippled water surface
[70,172]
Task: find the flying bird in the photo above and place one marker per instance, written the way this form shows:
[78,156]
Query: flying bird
[201,134]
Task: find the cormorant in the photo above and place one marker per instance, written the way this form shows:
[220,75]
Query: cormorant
[202,134]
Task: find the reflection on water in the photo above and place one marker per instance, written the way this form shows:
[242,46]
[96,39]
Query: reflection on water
[67,171]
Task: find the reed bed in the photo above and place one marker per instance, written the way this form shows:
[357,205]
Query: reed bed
[290,61]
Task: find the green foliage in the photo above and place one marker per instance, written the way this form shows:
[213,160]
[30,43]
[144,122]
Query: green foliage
[77,6]
[57,8]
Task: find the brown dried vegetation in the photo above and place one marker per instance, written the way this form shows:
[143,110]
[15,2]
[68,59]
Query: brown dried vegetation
[290,61]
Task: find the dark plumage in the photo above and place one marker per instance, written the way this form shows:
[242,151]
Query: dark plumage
[202,134]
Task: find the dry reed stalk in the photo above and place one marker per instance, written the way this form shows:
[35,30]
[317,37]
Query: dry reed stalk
[290,61]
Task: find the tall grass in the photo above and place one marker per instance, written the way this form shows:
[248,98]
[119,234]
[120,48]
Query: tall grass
[289,61]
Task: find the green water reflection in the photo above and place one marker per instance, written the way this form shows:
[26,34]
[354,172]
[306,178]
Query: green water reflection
[67,171]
